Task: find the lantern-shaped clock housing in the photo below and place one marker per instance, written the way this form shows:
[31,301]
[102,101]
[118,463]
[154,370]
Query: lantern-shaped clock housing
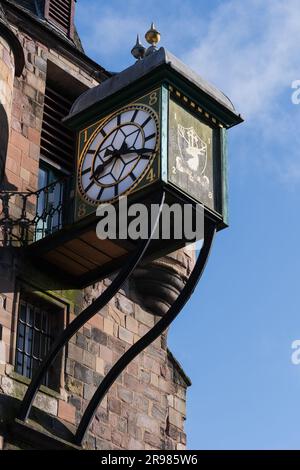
[156,125]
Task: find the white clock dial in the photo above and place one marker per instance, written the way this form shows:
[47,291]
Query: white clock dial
[119,155]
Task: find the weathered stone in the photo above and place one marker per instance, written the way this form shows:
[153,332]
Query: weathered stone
[153,440]
[100,366]
[158,412]
[81,341]
[144,317]
[83,373]
[144,421]
[74,386]
[125,394]
[175,418]
[99,336]
[125,335]
[13,388]
[46,404]
[89,391]
[125,305]
[66,412]
[135,445]
[89,360]
[114,405]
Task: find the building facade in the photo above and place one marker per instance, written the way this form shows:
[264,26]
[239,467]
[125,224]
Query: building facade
[43,69]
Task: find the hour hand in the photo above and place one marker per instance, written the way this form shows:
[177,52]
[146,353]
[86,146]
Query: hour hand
[98,170]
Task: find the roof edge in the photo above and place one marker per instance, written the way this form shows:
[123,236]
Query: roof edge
[179,368]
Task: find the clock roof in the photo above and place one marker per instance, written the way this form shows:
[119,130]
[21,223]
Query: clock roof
[146,68]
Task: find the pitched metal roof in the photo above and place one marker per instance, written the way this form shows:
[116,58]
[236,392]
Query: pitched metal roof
[141,69]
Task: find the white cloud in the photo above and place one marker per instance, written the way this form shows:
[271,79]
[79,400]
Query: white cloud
[247,48]
[250,50]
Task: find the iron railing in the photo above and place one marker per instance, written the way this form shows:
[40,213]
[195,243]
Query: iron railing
[27,217]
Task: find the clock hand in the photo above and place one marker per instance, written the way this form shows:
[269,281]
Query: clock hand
[102,166]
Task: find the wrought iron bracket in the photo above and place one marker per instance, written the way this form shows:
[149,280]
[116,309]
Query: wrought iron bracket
[149,337]
[84,317]
[139,346]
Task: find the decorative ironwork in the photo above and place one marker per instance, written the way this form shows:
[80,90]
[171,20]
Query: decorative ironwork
[26,217]
[149,337]
[138,347]
[84,317]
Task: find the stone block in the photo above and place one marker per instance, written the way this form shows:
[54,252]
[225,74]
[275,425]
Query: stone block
[175,418]
[47,404]
[89,360]
[83,373]
[124,305]
[132,324]
[114,405]
[2,353]
[125,395]
[144,317]
[74,386]
[99,336]
[148,423]
[66,412]
[100,365]
[108,326]
[125,335]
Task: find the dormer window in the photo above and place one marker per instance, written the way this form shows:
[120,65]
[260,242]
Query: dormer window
[61,14]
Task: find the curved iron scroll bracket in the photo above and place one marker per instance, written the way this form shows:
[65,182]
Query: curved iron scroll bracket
[148,338]
[84,317]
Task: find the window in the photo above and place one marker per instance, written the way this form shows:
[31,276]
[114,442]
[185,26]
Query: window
[39,322]
[61,14]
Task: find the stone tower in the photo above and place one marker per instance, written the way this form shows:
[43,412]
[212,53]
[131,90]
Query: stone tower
[43,69]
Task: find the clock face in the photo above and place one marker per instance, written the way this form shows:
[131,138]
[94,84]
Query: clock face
[191,155]
[118,154]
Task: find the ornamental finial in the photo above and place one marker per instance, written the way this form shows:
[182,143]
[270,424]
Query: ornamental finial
[152,37]
[138,50]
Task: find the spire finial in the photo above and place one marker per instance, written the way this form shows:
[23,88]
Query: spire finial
[138,50]
[152,36]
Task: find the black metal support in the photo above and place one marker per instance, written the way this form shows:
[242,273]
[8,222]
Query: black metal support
[85,316]
[151,336]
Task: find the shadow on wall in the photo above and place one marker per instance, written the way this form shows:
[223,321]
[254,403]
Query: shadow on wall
[4,134]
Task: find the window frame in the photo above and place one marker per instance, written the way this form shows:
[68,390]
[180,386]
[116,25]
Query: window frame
[29,291]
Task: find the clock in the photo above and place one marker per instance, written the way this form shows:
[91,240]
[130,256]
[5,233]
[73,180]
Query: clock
[154,128]
[119,154]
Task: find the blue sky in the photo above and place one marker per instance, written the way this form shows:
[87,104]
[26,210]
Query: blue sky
[234,338]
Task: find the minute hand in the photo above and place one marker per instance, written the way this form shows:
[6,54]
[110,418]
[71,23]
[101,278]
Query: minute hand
[138,151]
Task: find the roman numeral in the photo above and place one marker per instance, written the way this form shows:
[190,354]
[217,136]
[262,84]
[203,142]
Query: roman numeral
[100,194]
[90,152]
[89,186]
[119,119]
[84,172]
[116,189]
[134,115]
[103,132]
[132,176]
[150,137]
[146,122]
